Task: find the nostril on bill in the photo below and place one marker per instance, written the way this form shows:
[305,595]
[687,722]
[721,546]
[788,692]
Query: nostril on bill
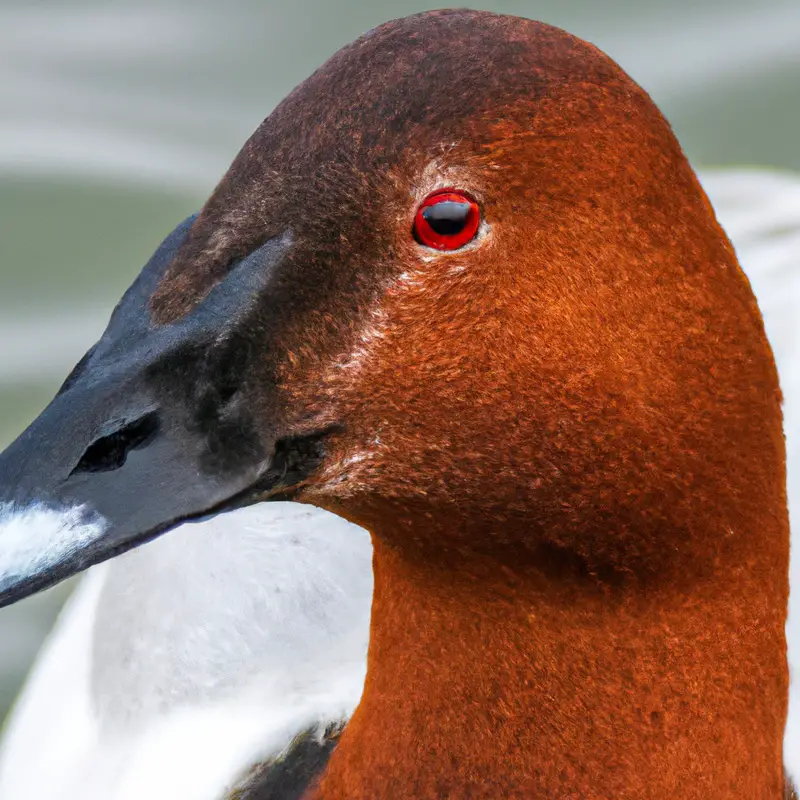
[110,452]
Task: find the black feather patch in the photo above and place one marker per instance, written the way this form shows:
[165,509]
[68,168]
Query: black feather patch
[293,773]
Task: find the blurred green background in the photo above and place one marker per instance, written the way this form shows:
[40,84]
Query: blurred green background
[117,118]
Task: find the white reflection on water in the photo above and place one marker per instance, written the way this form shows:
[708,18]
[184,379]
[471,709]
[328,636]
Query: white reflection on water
[683,58]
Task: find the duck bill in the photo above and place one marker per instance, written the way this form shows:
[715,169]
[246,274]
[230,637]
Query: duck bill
[141,437]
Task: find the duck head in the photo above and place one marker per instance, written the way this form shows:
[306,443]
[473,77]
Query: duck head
[462,279]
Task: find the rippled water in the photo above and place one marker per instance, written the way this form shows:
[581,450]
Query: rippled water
[118,117]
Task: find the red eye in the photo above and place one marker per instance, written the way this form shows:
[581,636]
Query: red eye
[446,220]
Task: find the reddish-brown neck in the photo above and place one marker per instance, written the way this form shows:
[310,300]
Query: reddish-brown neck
[487,681]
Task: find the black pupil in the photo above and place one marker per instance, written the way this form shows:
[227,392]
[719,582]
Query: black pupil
[448,217]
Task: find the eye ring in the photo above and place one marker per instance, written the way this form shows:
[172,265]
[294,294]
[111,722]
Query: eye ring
[447,220]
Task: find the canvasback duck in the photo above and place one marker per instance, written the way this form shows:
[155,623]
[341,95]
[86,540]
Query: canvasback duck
[194,691]
[463,288]
[173,670]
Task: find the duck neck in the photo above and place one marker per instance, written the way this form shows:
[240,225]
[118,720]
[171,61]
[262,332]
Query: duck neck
[496,681]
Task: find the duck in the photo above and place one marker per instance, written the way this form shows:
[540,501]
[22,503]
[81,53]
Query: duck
[168,683]
[463,289]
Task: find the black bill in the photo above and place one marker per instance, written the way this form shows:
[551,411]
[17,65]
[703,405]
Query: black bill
[152,428]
